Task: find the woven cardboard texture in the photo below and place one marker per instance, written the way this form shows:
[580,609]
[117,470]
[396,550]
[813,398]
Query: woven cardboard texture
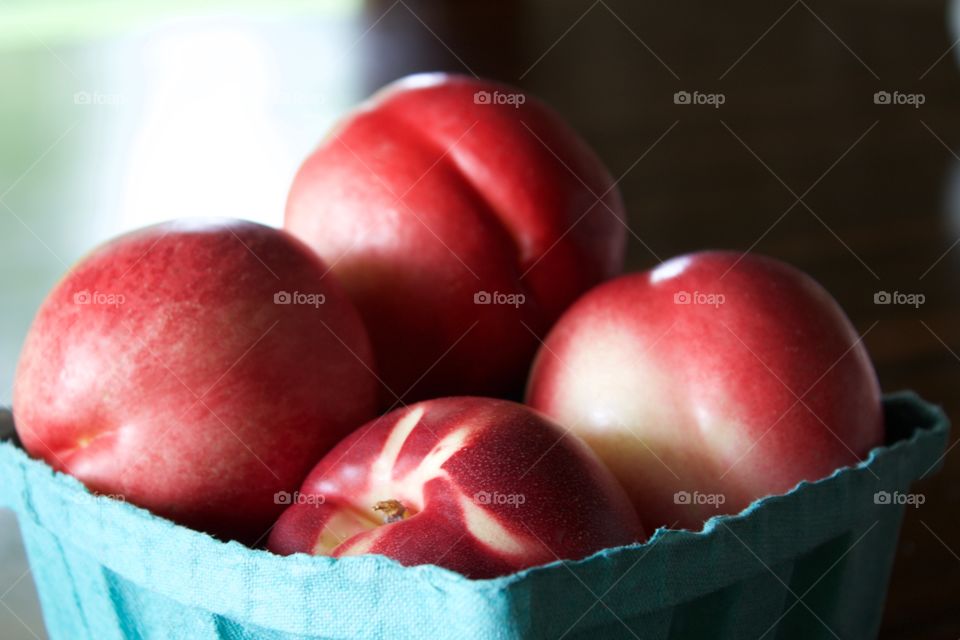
[809,564]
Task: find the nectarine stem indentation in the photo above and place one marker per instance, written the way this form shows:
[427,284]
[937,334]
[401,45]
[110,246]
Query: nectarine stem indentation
[393,510]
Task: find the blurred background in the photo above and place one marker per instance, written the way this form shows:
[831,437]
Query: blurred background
[822,133]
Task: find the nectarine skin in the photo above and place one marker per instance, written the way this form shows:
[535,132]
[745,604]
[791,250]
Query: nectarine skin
[442,188]
[480,486]
[712,380]
[162,369]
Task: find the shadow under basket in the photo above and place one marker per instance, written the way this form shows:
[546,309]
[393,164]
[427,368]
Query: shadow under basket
[813,563]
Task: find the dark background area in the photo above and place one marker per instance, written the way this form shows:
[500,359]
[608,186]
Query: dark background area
[799,162]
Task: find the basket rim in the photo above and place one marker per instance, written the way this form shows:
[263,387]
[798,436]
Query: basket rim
[911,457]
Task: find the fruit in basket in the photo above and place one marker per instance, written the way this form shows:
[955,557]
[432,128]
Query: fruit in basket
[712,380]
[480,486]
[463,216]
[195,368]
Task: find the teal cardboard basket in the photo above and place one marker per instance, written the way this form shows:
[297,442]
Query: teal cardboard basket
[813,563]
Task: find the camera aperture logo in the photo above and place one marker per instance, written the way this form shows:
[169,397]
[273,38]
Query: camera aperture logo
[512,499]
[899,499]
[104,298]
[509,299]
[698,98]
[897,297]
[699,297]
[297,297]
[713,499]
[898,98]
[513,99]
[287,498]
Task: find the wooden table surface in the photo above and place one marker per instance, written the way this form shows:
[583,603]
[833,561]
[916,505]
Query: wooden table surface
[799,162]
